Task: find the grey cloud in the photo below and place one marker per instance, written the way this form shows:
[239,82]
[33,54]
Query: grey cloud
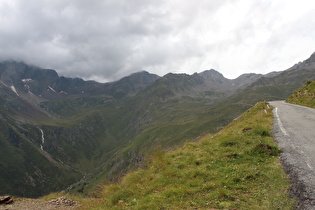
[106,40]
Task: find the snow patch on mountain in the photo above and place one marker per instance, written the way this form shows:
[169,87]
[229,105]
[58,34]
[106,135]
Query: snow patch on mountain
[43,139]
[14,90]
[27,80]
[51,89]
[64,92]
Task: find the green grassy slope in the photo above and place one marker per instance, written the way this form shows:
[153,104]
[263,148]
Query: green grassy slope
[105,147]
[304,96]
[105,138]
[26,170]
[101,137]
[235,168]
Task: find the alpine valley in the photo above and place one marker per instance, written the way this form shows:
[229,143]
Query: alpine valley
[59,133]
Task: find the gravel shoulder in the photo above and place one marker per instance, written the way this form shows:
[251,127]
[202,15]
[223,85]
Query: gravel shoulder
[294,130]
[61,203]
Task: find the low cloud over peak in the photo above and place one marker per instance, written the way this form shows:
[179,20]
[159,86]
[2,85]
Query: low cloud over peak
[106,40]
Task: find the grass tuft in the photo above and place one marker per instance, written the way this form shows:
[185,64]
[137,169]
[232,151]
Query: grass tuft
[265,149]
[264,132]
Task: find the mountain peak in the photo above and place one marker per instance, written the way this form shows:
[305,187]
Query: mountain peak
[211,71]
[142,77]
[211,74]
[143,72]
[311,59]
[246,79]
[306,64]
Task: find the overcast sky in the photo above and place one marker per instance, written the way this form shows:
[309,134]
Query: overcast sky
[108,39]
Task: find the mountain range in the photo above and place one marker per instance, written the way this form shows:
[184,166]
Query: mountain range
[66,133]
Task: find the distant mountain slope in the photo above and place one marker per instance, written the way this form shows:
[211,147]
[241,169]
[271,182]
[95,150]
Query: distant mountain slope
[275,86]
[29,81]
[196,84]
[130,85]
[246,79]
[27,170]
[286,82]
[208,84]
[24,122]
[304,96]
[14,107]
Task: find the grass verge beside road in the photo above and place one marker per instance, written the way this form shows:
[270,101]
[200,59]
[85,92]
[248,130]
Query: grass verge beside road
[304,96]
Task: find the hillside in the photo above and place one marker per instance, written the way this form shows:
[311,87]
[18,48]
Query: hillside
[42,151]
[71,129]
[237,168]
[275,85]
[69,133]
[304,96]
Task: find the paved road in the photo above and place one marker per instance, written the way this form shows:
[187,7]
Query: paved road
[294,130]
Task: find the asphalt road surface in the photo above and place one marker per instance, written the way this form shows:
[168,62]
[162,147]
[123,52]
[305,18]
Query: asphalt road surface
[294,130]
